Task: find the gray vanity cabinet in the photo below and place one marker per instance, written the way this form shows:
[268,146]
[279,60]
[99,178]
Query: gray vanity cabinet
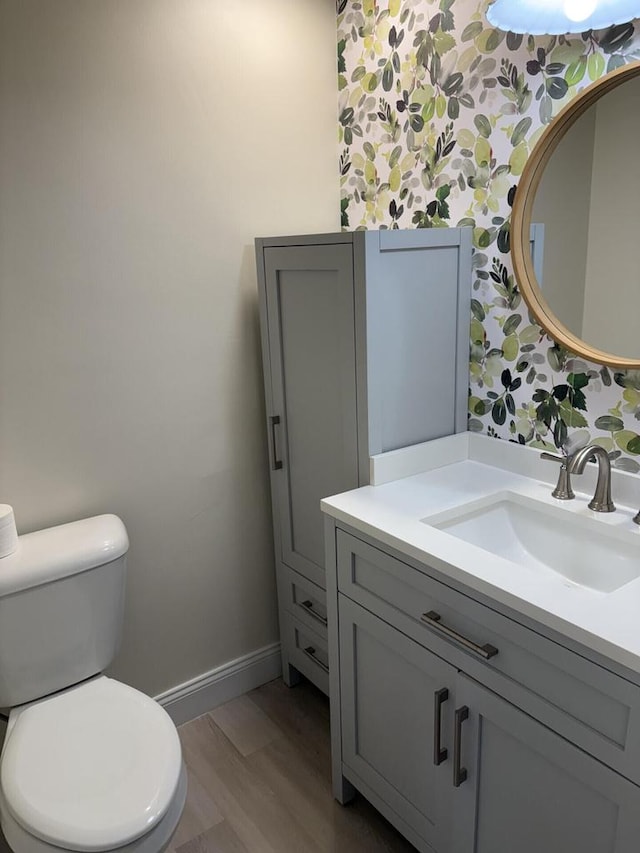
[465,728]
[529,790]
[365,349]
[521,788]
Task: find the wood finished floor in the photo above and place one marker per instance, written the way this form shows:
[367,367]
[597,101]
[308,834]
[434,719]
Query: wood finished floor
[260,781]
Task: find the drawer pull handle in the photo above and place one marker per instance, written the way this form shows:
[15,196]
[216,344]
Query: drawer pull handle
[439,752]
[308,607]
[310,652]
[276,463]
[459,773]
[432,619]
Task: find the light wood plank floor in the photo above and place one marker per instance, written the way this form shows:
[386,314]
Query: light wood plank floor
[260,781]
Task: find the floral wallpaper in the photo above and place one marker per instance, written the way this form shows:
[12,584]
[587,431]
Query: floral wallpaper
[438,114]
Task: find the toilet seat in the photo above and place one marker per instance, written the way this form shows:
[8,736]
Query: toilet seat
[155,841]
[92,768]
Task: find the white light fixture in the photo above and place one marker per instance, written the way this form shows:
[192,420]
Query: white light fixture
[555,17]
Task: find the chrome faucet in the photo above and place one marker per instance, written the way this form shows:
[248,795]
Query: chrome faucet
[575,464]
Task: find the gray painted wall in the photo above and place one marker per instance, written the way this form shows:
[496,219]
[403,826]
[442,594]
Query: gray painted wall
[143,144]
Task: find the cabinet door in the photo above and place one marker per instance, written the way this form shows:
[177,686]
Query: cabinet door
[310,314]
[529,790]
[388,688]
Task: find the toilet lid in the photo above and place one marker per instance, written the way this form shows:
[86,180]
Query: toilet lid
[92,768]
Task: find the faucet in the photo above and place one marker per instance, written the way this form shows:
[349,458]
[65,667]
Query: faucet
[574,464]
[601,501]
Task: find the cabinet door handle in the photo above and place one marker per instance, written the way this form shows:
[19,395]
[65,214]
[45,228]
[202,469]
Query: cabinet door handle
[307,606]
[311,653]
[439,752]
[276,463]
[459,773]
[432,619]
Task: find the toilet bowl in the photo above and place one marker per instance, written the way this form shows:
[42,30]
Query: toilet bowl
[94,768]
[92,764]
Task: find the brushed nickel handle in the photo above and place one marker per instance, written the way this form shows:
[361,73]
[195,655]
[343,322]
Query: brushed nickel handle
[439,752]
[563,490]
[433,620]
[459,773]
[553,457]
[308,608]
[310,652]
[276,463]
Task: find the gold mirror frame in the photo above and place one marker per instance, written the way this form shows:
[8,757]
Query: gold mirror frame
[522,212]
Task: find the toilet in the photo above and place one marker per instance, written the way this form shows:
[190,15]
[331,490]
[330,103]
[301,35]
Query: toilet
[88,763]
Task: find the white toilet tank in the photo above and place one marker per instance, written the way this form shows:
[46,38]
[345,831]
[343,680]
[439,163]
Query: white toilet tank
[61,607]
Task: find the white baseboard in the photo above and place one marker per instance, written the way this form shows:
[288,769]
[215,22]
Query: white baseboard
[204,692]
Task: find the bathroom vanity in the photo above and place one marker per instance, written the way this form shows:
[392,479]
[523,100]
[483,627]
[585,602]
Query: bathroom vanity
[484,651]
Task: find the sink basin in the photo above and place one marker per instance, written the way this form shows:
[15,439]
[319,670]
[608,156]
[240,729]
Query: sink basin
[578,550]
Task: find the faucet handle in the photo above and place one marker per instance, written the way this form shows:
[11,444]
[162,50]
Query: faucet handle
[563,490]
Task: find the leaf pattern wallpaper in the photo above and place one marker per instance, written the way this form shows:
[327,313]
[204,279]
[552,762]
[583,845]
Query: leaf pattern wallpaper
[438,114]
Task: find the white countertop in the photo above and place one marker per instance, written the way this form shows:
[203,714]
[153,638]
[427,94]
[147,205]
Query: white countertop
[467,467]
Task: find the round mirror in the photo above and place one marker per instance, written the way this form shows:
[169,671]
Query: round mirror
[575,224]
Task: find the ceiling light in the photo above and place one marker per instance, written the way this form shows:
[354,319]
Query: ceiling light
[555,17]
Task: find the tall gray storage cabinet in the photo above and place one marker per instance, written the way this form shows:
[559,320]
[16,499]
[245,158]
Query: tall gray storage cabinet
[365,346]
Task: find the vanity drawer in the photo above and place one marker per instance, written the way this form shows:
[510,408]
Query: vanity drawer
[306,601]
[587,704]
[308,652]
